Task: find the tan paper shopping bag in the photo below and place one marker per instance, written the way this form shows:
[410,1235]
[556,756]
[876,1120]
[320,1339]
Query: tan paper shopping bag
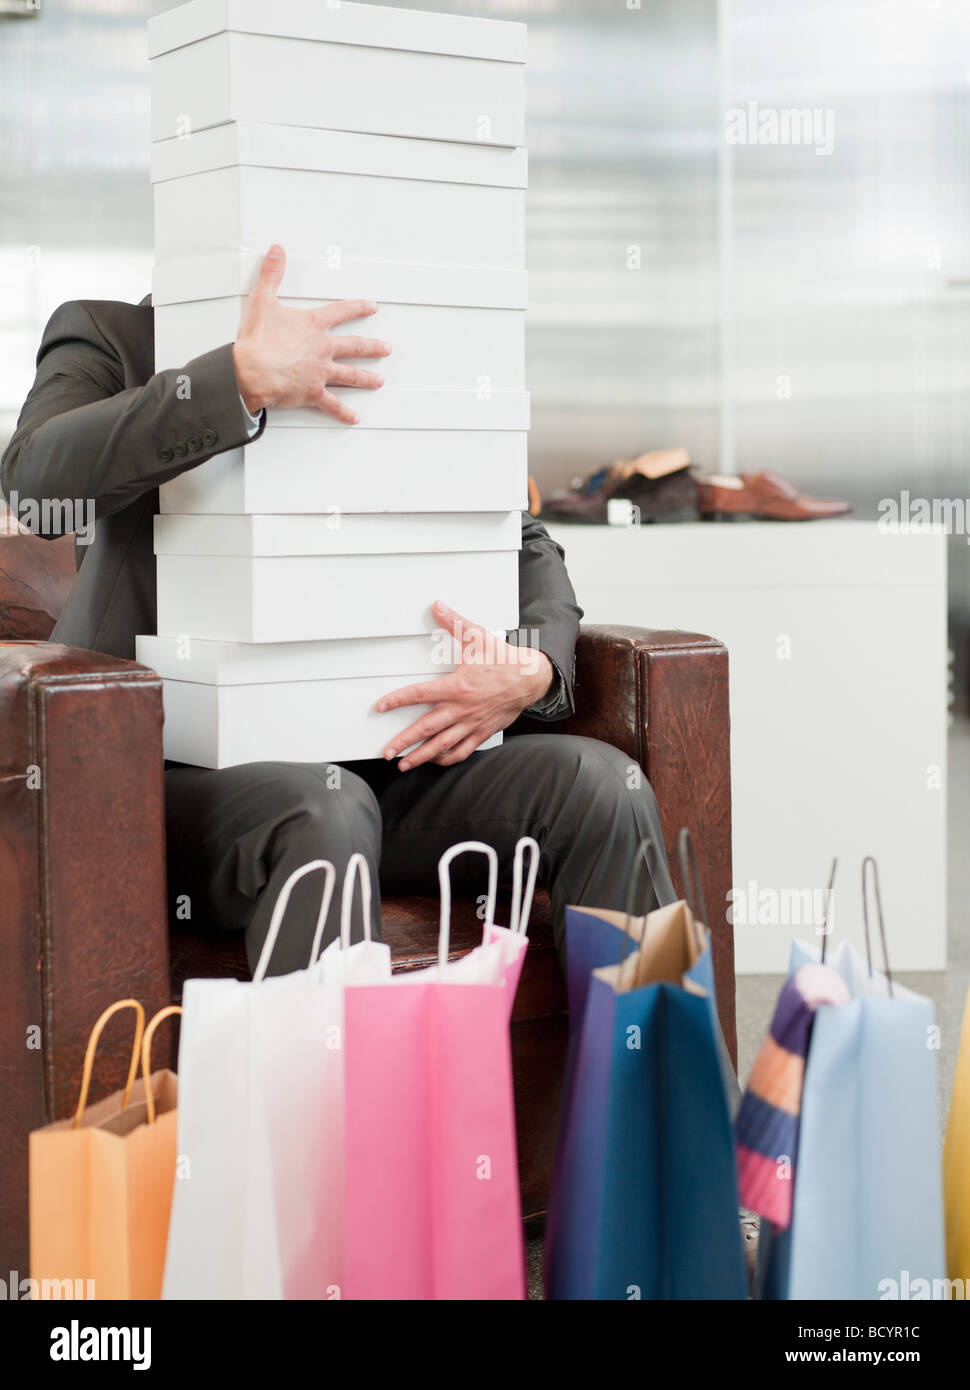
[101,1183]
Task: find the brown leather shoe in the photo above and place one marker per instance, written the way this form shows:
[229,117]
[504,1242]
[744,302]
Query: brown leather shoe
[767,496]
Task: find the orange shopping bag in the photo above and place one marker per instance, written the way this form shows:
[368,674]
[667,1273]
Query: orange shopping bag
[101,1183]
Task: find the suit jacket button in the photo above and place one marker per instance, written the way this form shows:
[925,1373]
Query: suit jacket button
[194,443]
[181,449]
[209,437]
[165,454]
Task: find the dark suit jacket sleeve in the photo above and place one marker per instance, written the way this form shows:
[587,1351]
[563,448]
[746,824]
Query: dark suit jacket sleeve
[548,613]
[81,435]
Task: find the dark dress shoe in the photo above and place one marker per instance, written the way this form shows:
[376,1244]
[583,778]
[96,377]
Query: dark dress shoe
[658,484]
[762,496]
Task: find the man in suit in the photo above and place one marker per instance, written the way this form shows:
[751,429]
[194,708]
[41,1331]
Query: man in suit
[101,426]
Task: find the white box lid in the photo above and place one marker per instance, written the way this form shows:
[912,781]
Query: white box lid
[251,663]
[228,273]
[333,21]
[379,534]
[338,152]
[404,408]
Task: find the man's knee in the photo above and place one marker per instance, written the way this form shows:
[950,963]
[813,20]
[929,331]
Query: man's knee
[324,800]
[592,768]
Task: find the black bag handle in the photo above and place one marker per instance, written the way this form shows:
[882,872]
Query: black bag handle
[828,899]
[644,852]
[865,917]
[691,875]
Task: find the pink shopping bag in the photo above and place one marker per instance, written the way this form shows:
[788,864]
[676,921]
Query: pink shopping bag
[432,1189]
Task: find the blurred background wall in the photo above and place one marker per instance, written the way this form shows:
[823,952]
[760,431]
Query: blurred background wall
[766,305]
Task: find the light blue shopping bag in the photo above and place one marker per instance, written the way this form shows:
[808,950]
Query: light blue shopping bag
[867,1219]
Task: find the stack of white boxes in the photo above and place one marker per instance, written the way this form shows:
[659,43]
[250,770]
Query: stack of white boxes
[382,148]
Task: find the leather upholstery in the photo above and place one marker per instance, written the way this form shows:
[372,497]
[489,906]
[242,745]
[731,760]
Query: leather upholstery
[35,581]
[82,883]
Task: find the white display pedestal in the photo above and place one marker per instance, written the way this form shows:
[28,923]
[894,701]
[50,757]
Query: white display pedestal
[838,659]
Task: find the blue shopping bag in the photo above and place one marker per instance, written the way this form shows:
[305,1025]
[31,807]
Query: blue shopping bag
[644,1197]
[867,1215]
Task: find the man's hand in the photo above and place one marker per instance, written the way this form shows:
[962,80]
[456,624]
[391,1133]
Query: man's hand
[287,357]
[488,690]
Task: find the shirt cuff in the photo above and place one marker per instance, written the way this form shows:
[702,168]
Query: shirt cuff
[555,702]
[252,422]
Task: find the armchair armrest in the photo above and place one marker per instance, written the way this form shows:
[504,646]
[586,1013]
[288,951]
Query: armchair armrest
[82,884]
[662,698]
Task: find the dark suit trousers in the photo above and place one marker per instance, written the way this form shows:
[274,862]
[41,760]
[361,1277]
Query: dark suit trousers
[236,834]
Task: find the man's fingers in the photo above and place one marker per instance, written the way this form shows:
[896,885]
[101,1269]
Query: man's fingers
[433,748]
[424,693]
[349,345]
[270,275]
[460,752]
[346,309]
[461,629]
[342,375]
[340,410]
[430,724]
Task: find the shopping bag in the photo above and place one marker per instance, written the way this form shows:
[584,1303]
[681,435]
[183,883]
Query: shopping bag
[101,1183]
[512,941]
[644,1198]
[432,1188]
[223,1236]
[956,1165]
[299,1040]
[867,1209]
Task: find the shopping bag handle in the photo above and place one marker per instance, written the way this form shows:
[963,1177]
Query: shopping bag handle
[92,1048]
[444,882]
[691,876]
[146,1056]
[627,945]
[522,905]
[646,847]
[276,921]
[357,867]
[865,918]
[828,899]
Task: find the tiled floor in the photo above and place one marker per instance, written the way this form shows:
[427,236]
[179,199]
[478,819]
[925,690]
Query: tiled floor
[756,994]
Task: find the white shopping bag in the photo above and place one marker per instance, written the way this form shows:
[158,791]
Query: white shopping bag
[222,1239]
[298,1037]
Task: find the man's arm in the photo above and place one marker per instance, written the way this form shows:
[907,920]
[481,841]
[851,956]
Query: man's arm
[548,615]
[81,435]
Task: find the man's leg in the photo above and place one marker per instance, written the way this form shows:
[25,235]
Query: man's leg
[236,834]
[586,804]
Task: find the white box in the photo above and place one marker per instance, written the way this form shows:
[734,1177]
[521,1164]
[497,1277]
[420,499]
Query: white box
[306,598]
[277,146]
[296,579]
[393,408]
[221,274]
[358,470]
[337,533]
[346,67]
[228,703]
[433,347]
[339,196]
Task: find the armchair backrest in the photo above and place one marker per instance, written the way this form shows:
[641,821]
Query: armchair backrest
[35,580]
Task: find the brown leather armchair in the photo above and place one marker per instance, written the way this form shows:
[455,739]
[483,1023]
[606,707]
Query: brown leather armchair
[83,917]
